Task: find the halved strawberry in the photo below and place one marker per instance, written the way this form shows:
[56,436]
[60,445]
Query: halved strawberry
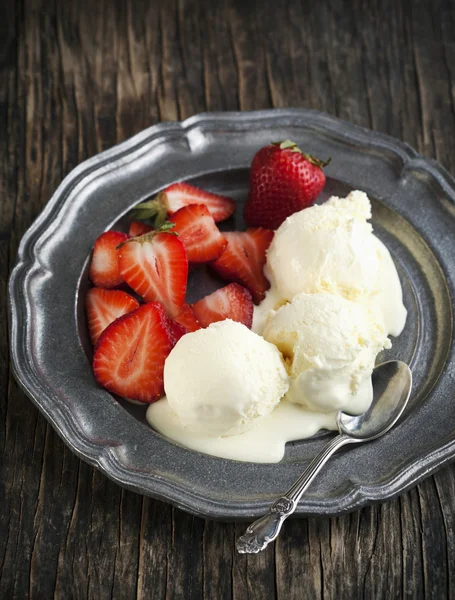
[155,266]
[104,306]
[187,318]
[130,354]
[138,228]
[104,270]
[230,302]
[197,230]
[178,195]
[244,259]
[176,330]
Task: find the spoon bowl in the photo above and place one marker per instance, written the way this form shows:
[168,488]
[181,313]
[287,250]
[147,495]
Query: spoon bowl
[392,382]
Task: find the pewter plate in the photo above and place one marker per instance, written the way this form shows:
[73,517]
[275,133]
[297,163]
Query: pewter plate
[413,212]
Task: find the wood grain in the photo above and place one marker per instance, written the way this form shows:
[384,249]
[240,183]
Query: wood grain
[79,77]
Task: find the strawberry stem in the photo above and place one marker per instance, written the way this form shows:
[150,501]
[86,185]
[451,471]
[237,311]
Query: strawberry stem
[317,162]
[148,237]
[154,210]
[287,145]
[292,146]
[166,228]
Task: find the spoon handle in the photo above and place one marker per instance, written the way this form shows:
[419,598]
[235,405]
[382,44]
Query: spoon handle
[263,531]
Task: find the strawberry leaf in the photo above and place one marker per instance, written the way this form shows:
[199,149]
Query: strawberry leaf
[287,145]
[292,146]
[154,210]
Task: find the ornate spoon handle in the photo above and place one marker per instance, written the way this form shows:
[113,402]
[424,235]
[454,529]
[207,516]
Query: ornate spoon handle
[260,533]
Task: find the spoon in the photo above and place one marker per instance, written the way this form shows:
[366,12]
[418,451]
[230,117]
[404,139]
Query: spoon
[392,383]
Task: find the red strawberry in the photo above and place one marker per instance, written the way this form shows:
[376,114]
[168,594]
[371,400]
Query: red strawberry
[138,228]
[178,195]
[244,259]
[230,302]
[186,318]
[197,230]
[155,266]
[104,306]
[130,354]
[104,270]
[283,180]
[176,330]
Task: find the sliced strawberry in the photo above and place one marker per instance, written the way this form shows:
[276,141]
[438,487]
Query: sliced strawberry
[104,269]
[104,306]
[244,259]
[197,230]
[187,318]
[175,330]
[130,354]
[178,195]
[138,228]
[155,266]
[230,302]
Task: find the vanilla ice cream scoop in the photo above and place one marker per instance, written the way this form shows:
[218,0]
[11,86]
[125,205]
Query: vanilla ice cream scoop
[330,344]
[219,381]
[326,248]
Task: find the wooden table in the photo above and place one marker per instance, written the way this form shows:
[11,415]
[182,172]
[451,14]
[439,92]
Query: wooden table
[78,77]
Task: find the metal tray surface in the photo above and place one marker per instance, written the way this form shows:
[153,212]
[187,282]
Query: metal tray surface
[413,213]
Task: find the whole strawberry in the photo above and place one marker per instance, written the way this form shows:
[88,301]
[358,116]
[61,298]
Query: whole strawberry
[283,180]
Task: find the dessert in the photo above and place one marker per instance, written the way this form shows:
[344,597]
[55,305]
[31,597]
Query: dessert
[330,345]
[220,380]
[334,299]
[332,248]
[154,263]
[242,380]
[327,248]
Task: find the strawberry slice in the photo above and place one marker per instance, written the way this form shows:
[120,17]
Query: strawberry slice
[130,354]
[197,230]
[187,318]
[176,330]
[230,302]
[138,228]
[104,306]
[155,266]
[178,195]
[104,269]
[244,259]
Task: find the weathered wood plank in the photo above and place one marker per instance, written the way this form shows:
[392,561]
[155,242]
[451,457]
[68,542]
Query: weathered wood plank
[218,552]
[254,574]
